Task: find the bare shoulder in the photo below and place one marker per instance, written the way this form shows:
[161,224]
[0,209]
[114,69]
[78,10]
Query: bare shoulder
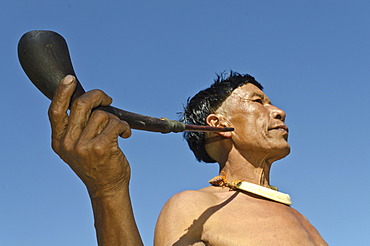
[186,205]
[177,224]
[190,200]
[307,224]
[193,202]
[201,196]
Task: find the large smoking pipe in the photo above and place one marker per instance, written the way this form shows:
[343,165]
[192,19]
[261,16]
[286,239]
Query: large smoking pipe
[44,57]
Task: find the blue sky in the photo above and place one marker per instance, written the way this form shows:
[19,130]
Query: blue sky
[313,58]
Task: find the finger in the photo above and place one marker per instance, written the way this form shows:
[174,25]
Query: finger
[115,128]
[126,130]
[58,108]
[95,125]
[81,111]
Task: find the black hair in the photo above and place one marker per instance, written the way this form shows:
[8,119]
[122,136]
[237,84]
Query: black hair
[207,102]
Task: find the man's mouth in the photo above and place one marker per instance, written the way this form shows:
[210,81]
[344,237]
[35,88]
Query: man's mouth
[282,128]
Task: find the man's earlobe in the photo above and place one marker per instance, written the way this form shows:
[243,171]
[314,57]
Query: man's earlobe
[218,120]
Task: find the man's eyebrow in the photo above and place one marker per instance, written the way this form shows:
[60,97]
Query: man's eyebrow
[249,96]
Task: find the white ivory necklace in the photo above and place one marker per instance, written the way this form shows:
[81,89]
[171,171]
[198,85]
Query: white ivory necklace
[271,194]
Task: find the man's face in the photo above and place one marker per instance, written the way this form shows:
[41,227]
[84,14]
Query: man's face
[259,125]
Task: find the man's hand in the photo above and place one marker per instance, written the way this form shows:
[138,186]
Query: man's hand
[87,140]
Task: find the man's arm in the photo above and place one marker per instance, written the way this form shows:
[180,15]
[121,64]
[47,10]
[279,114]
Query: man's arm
[114,220]
[87,141]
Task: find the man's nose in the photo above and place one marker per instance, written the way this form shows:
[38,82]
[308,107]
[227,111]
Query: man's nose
[278,113]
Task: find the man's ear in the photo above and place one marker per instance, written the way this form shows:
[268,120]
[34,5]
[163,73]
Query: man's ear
[219,120]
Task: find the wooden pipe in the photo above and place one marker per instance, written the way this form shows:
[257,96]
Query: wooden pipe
[44,57]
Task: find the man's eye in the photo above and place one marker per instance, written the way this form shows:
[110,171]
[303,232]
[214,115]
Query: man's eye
[259,100]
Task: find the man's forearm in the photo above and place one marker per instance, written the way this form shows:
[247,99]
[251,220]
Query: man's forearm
[114,220]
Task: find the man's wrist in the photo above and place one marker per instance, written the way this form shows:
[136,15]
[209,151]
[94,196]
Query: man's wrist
[111,191]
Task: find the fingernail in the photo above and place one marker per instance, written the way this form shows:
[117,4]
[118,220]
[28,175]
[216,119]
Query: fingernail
[68,79]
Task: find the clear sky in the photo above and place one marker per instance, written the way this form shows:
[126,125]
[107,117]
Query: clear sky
[313,58]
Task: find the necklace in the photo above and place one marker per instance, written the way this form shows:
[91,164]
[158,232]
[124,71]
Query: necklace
[272,194]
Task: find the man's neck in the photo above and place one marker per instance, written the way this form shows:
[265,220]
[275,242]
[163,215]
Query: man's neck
[238,167]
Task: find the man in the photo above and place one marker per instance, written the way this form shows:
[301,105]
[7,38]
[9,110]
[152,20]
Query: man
[239,209]
[222,216]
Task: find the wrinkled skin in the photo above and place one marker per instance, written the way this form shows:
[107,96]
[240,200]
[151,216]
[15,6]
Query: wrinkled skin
[87,141]
[221,216]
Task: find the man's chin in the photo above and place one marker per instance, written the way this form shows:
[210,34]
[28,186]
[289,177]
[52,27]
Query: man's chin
[280,153]
[286,151]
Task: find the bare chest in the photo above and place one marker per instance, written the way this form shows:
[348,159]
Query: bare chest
[258,222]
